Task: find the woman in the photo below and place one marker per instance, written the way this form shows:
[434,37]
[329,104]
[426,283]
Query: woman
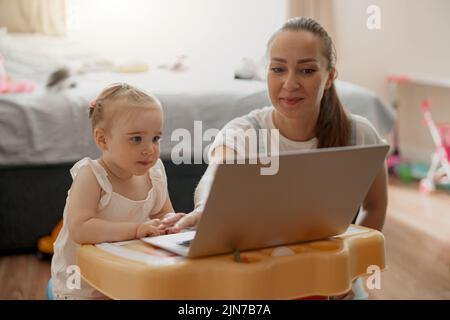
[306,110]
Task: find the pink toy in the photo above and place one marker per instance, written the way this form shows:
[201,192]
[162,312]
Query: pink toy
[7,85]
[440,169]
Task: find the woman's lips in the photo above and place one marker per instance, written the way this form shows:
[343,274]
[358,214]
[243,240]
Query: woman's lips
[291,101]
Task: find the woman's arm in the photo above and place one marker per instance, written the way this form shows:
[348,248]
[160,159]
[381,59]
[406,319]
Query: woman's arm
[218,156]
[167,213]
[84,226]
[375,203]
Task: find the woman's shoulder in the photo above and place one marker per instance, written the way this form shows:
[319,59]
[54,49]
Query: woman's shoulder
[245,122]
[366,133]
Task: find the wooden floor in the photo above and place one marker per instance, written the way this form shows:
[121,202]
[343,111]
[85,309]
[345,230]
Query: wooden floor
[23,277]
[417,232]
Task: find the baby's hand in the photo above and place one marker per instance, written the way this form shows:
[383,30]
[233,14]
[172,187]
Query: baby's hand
[148,229]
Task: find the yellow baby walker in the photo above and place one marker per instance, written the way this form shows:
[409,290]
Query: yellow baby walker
[137,270]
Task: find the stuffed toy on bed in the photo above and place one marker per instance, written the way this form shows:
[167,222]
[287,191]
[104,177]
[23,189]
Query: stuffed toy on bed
[250,69]
[8,85]
[62,79]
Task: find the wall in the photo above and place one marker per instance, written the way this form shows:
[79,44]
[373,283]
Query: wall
[213,32]
[413,39]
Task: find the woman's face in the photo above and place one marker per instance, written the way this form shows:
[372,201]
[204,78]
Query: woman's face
[297,75]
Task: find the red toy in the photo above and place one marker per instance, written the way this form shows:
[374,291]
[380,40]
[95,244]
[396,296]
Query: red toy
[8,85]
[439,171]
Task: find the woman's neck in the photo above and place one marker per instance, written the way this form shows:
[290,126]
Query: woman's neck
[299,129]
[114,170]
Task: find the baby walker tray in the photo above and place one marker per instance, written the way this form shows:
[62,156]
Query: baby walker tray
[137,270]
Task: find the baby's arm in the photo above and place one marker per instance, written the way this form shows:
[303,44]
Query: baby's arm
[167,213]
[84,226]
[167,208]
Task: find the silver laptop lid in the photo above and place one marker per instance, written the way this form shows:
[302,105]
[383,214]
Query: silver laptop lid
[314,195]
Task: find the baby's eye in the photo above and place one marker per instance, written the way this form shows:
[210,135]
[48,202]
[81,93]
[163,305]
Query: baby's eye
[156,139]
[136,139]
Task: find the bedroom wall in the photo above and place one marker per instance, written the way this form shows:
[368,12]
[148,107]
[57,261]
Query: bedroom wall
[212,32]
[413,39]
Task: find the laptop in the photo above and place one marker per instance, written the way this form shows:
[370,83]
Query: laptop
[314,195]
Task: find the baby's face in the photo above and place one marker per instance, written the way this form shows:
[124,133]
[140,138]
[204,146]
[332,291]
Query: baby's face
[134,143]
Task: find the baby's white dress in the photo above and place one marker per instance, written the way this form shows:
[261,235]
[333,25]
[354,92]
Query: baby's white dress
[113,207]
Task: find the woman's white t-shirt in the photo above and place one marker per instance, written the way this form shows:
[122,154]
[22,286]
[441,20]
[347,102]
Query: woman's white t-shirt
[231,137]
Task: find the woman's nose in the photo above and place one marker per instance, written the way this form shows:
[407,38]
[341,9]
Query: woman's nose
[291,82]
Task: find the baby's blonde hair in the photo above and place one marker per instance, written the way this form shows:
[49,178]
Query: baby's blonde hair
[102,109]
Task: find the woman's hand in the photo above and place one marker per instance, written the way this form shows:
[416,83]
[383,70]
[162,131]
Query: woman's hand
[148,229]
[169,220]
[179,221]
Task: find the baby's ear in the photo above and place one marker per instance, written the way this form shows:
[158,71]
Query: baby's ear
[100,138]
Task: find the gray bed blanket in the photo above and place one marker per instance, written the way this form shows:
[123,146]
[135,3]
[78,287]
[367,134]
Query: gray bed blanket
[53,127]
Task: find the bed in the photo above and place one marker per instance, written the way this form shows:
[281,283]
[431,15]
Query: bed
[43,133]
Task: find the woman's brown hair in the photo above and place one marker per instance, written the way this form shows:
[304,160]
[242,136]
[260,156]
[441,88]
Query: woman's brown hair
[333,127]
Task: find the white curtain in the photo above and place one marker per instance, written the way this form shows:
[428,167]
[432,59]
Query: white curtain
[34,16]
[319,10]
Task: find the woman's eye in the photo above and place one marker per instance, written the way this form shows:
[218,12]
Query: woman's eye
[308,71]
[276,70]
[136,139]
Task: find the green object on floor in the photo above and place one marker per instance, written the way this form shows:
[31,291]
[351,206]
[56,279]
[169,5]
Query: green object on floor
[403,171]
[419,170]
[237,256]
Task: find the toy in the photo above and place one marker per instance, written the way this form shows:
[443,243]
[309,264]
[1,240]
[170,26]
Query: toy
[136,270]
[439,171]
[402,170]
[45,244]
[8,85]
[49,290]
[179,65]
[250,69]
